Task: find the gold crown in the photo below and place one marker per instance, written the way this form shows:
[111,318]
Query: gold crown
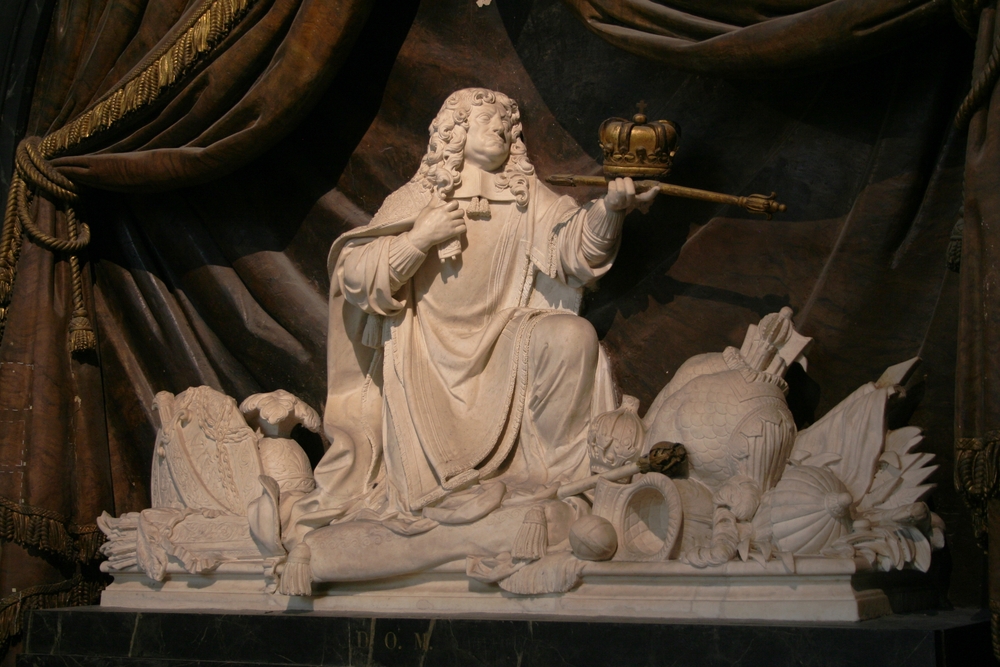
[637,148]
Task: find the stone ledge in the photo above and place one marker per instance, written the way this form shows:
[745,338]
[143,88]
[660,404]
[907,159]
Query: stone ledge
[796,589]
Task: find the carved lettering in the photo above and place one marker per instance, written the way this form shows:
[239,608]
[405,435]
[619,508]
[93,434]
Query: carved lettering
[423,640]
[390,640]
[362,639]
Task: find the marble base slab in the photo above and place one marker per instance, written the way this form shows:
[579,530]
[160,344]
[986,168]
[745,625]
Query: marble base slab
[103,637]
[799,589]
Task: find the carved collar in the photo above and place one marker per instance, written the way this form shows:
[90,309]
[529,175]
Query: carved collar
[479,183]
[734,360]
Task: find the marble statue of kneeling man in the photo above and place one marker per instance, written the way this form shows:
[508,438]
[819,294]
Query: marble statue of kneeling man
[458,365]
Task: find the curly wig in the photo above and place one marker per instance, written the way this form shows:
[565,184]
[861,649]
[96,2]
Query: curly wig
[441,168]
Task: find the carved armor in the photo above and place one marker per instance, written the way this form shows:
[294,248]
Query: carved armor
[733,422]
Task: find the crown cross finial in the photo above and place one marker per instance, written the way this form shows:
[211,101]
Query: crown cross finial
[641,116]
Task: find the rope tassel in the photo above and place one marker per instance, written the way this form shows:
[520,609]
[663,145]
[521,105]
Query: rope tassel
[532,537]
[33,168]
[81,333]
[205,29]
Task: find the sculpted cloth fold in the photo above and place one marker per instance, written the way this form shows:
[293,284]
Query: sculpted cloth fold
[446,373]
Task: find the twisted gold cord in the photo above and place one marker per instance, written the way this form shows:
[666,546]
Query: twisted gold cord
[49,179]
[205,29]
[981,89]
[196,37]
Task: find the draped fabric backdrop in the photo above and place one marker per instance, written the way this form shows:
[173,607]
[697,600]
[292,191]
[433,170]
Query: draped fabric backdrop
[774,37]
[212,204]
[977,387]
[145,96]
[758,37]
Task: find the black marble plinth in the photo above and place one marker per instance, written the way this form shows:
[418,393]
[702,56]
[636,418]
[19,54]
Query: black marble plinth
[92,636]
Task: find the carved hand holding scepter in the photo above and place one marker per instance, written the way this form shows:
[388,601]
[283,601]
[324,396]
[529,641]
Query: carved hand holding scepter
[765,204]
[644,151]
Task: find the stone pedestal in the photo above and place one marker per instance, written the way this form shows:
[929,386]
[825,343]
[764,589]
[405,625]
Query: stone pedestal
[105,637]
[795,589]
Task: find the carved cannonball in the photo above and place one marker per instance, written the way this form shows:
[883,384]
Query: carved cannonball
[810,509]
[593,538]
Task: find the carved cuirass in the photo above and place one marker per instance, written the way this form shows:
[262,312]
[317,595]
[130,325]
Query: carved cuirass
[733,422]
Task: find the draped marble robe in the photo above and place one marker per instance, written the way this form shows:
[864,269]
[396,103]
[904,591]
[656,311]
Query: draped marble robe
[442,374]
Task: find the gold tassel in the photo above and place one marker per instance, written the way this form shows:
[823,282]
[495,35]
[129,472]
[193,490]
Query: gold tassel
[6,283]
[532,538]
[48,531]
[143,86]
[81,335]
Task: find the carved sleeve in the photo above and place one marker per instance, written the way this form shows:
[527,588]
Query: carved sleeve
[587,243]
[404,260]
[601,231]
[366,276]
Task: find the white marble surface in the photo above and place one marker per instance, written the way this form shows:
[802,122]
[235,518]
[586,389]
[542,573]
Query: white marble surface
[814,589]
[468,406]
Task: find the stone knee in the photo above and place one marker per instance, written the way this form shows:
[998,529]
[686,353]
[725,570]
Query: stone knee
[565,341]
[563,354]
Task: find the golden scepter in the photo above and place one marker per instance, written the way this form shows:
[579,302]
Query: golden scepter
[644,151]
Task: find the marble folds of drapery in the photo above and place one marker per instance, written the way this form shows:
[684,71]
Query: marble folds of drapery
[463,373]
[729,37]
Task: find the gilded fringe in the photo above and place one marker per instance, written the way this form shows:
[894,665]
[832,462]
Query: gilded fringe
[977,477]
[206,28]
[49,532]
[202,33]
[995,633]
[73,592]
[37,527]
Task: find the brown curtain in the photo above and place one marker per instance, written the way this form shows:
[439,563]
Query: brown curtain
[135,96]
[977,386]
[778,37]
[758,36]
